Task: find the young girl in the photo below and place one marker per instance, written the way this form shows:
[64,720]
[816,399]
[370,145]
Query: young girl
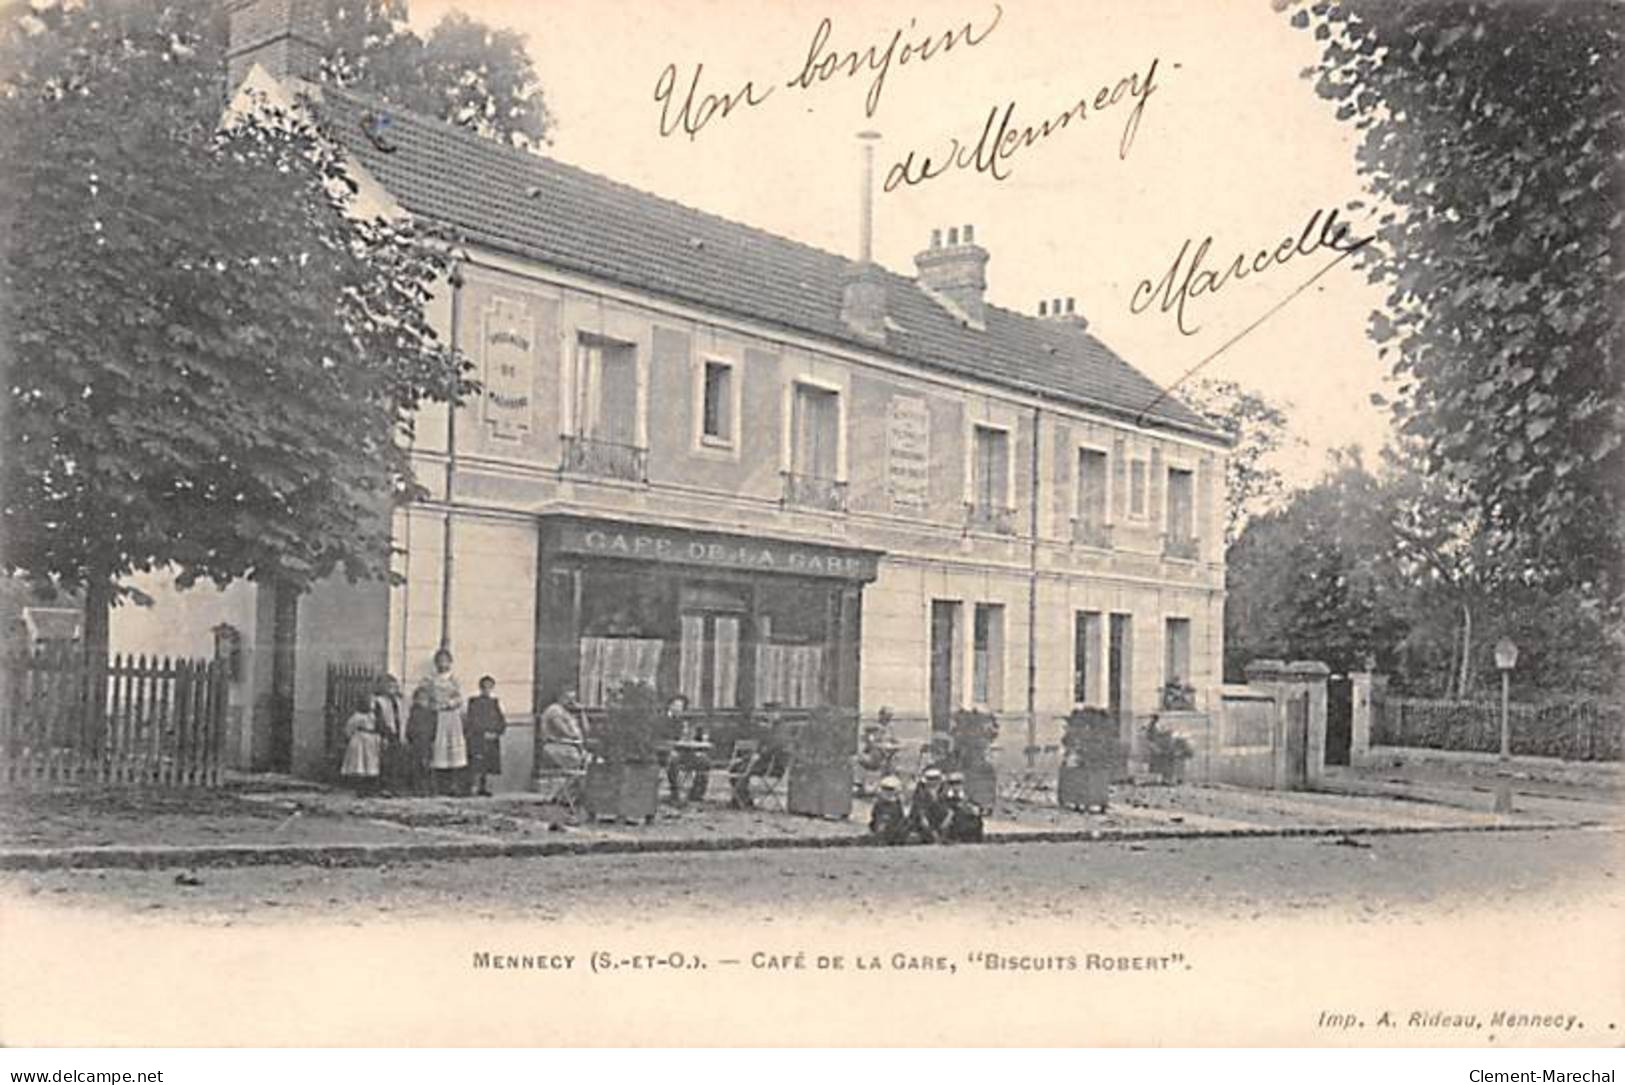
[362,754]
[484,723]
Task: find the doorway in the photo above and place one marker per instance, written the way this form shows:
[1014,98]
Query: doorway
[944,637]
[1119,667]
[1339,719]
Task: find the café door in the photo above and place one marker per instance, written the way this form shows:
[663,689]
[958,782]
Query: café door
[711,623]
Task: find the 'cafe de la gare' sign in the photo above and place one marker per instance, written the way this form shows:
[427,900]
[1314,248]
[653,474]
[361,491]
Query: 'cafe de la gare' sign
[638,542]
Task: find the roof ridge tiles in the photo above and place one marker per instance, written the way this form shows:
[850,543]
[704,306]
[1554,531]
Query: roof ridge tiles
[1031,354]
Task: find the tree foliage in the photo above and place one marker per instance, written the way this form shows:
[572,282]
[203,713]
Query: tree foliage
[1493,143]
[211,364]
[464,71]
[1314,579]
[1392,568]
[1252,484]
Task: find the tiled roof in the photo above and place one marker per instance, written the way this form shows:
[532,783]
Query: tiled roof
[577,221]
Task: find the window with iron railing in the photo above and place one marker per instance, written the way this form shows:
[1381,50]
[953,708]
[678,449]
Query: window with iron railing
[814,492]
[812,480]
[603,437]
[989,508]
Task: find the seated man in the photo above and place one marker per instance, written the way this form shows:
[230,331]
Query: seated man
[769,760]
[888,820]
[680,729]
[928,813]
[562,744]
[964,824]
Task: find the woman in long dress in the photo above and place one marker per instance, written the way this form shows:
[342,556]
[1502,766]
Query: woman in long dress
[440,693]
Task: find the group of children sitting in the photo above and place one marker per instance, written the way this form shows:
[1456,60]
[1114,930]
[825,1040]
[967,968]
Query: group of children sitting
[939,811]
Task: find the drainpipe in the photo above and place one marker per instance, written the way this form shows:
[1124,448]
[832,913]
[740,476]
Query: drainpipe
[1032,596]
[455,278]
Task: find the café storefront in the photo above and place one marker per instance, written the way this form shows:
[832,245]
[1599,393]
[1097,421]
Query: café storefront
[734,623]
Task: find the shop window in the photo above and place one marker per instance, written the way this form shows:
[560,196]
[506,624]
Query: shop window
[606,388]
[792,626]
[623,635]
[987,656]
[717,404]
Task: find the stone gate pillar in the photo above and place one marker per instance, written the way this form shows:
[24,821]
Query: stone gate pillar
[1360,689]
[1307,678]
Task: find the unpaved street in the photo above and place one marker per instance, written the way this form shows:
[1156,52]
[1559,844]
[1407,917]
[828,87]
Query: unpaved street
[1376,878]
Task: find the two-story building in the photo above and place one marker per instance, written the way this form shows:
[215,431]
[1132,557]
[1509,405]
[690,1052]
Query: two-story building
[744,469]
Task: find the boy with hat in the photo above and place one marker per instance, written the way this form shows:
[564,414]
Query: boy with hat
[964,824]
[928,813]
[888,821]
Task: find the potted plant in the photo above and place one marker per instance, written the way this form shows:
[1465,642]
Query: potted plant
[1090,754]
[973,731]
[1166,753]
[623,777]
[1178,697]
[821,753]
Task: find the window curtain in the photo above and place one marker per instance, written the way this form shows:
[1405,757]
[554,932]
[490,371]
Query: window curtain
[725,667]
[607,663]
[691,659]
[789,674]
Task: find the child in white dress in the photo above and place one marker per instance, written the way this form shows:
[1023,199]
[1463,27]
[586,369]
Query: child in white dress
[363,753]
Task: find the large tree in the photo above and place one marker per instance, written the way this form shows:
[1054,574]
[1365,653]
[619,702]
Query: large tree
[1315,578]
[1252,482]
[1493,135]
[463,71]
[210,361]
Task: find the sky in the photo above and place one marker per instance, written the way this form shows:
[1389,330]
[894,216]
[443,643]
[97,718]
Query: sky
[1230,143]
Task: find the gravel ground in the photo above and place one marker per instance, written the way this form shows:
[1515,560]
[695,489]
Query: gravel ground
[1125,883]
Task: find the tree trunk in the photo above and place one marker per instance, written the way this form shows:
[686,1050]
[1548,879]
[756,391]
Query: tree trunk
[98,606]
[284,664]
[1464,675]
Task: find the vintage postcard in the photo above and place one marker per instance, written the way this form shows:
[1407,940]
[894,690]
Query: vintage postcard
[983,522]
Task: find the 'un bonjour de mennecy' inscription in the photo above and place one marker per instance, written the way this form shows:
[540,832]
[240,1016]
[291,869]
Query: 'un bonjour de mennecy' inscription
[908,451]
[508,336]
[653,544]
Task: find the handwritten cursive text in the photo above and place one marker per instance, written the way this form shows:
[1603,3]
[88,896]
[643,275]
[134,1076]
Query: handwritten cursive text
[1184,282]
[1001,138]
[822,62]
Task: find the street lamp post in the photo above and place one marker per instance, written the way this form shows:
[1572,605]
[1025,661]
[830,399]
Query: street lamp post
[1506,657]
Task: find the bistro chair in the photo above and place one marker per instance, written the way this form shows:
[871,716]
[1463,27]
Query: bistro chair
[563,790]
[758,775]
[1038,778]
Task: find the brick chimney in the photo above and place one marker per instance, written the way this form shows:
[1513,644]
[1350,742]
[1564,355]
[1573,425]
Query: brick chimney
[1054,310]
[955,273]
[282,36]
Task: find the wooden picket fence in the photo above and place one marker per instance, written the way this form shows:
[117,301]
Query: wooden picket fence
[161,721]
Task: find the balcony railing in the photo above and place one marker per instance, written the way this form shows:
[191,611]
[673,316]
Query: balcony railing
[992,518]
[607,459]
[1182,548]
[814,492]
[1092,533]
